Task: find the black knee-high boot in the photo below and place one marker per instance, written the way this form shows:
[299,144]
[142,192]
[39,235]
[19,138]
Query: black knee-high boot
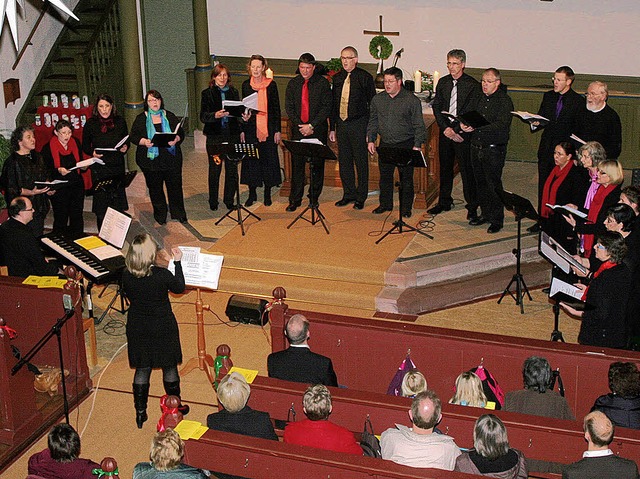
[253,196]
[172,388]
[140,397]
[267,196]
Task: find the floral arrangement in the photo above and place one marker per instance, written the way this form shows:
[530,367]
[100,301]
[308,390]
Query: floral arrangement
[333,66]
[427,81]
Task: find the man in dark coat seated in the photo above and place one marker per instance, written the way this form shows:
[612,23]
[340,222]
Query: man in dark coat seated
[598,460]
[297,363]
[19,248]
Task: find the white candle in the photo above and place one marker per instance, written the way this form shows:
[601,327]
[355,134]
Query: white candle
[417,79]
[269,73]
[436,78]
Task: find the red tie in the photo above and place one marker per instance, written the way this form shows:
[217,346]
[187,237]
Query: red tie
[304,110]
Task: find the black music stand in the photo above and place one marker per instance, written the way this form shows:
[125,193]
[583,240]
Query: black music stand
[310,152]
[522,208]
[234,153]
[401,157]
[124,179]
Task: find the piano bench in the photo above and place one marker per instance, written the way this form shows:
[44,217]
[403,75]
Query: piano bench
[92,346]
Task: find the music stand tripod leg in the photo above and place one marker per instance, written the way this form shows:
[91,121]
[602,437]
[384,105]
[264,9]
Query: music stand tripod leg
[556,334]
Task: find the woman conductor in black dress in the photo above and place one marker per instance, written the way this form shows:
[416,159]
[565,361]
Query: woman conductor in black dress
[152,330]
[105,129]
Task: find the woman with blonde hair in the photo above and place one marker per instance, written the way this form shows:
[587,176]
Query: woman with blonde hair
[167,451]
[413,383]
[152,329]
[469,391]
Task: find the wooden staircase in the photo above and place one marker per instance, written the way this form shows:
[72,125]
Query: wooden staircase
[85,59]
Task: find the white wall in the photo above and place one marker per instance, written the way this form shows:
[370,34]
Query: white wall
[34,57]
[592,36]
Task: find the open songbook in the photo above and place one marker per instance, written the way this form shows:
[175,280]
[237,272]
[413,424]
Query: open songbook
[577,139]
[237,108]
[162,139]
[52,185]
[473,119]
[87,162]
[567,210]
[115,148]
[531,118]
[569,294]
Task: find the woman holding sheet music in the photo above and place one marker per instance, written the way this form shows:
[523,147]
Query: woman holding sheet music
[61,154]
[220,127]
[161,165]
[263,128]
[608,294]
[566,184]
[22,168]
[101,134]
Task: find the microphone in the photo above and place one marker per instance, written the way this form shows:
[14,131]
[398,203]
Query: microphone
[67,302]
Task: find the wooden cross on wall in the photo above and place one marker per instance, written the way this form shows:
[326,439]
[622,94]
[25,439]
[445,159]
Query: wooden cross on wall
[381,32]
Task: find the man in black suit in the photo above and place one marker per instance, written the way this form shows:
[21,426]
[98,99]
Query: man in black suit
[353,89]
[560,106]
[598,460]
[298,363]
[19,248]
[455,94]
[308,105]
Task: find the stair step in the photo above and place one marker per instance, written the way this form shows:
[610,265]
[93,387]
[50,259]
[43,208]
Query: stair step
[63,83]
[62,66]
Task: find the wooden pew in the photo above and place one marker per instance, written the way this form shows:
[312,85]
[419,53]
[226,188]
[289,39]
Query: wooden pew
[543,439]
[262,459]
[367,352]
[25,413]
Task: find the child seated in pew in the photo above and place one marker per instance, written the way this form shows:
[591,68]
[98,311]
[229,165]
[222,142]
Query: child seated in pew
[317,431]
[61,460]
[469,392]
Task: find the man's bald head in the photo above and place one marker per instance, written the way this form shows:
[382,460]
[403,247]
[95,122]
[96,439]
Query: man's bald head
[297,329]
[598,429]
[426,411]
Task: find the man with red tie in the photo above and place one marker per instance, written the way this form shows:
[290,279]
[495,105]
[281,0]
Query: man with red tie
[308,106]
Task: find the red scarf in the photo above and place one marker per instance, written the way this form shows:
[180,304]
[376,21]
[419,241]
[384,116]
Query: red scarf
[57,149]
[550,191]
[603,267]
[592,217]
[262,116]
[106,124]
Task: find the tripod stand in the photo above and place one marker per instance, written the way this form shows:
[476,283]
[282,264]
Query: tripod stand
[556,334]
[522,208]
[401,157]
[238,207]
[310,151]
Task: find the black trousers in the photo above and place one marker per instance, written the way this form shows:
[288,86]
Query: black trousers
[488,162]
[230,178]
[298,166]
[448,151]
[406,181]
[67,206]
[156,181]
[352,146]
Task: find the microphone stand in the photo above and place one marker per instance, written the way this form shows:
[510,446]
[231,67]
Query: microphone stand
[56,330]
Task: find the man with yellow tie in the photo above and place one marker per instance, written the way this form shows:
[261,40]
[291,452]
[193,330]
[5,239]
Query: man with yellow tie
[353,89]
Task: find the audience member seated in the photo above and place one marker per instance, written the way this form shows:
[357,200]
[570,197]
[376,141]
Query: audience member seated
[237,417]
[491,455]
[598,460]
[608,294]
[61,460]
[469,392]
[167,451]
[20,248]
[317,431]
[536,398]
[622,404]
[297,363]
[419,446]
[566,184]
[413,383]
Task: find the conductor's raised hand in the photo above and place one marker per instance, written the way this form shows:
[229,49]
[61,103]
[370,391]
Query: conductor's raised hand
[177,254]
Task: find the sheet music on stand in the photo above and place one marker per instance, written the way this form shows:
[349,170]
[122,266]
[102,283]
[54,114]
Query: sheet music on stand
[115,227]
[201,270]
[248,149]
[551,250]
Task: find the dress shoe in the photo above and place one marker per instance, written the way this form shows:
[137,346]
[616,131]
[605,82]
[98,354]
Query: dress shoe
[477,221]
[229,207]
[437,209]
[344,202]
[249,202]
[534,228]
[472,215]
[358,205]
[268,202]
[292,207]
[494,228]
[213,207]
[183,220]
[406,214]
[380,209]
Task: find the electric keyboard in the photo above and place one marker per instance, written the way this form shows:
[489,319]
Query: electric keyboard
[96,270]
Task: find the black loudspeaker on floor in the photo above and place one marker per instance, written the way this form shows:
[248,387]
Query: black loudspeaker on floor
[247,310]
